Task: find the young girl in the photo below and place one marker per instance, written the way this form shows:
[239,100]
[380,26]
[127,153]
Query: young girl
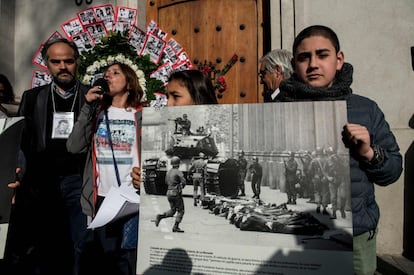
[322,74]
[111,139]
[188,87]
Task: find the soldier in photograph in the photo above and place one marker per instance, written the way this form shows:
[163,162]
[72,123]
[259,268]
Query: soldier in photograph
[291,166]
[197,173]
[306,182]
[183,125]
[242,165]
[257,171]
[176,182]
[320,182]
[332,172]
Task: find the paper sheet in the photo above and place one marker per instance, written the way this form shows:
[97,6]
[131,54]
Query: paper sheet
[118,203]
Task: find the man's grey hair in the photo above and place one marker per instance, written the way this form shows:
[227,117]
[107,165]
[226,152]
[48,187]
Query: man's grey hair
[280,57]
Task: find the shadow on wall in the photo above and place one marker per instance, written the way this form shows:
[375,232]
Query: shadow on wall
[408,237]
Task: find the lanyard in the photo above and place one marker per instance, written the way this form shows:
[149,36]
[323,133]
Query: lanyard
[112,148]
[74,98]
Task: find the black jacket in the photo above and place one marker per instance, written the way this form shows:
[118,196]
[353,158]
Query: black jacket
[43,158]
[33,107]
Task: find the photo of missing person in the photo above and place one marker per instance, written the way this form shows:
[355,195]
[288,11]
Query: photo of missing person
[62,129]
[72,27]
[154,47]
[40,78]
[87,16]
[62,125]
[125,14]
[105,13]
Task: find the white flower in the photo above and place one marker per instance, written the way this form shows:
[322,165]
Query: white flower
[140,73]
[97,66]
[144,97]
[142,84]
[135,68]
[94,68]
[87,80]
[128,62]
[110,59]
[90,69]
[120,58]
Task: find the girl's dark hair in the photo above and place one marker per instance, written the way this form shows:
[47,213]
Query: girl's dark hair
[135,92]
[198,84]
[316,30]
[8,94]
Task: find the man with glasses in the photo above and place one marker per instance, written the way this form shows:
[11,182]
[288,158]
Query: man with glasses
[275,66]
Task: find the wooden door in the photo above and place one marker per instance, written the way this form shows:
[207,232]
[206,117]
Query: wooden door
[214,31]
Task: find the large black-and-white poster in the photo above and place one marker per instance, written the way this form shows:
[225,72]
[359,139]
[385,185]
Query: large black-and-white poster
[267,190]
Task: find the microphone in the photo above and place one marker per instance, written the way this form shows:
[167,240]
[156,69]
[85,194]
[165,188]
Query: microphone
[103,84]
[104,88]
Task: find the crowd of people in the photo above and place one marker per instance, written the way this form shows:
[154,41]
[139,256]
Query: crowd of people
[73,174]
[319,176]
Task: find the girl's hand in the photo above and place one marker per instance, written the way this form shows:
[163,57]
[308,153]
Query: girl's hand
[136,177]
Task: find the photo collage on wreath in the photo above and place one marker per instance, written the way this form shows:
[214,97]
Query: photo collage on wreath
[93,24]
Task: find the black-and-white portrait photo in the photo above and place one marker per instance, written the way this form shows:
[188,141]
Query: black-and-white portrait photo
[84,41]
[62,128]
[252,187]
[154,47]
[87,16]
[183,56]
[182,65]
[40,78]
[169,55]
[72,27]
[97,31]
[175,45]
[152,26]
[38,59]
[137,38]
[55,35]
[100,14]
[105,13]
[123,27]
[62,125]
[163,72]
[124,14]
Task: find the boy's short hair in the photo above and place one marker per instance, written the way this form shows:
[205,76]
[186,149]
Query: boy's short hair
[316,30]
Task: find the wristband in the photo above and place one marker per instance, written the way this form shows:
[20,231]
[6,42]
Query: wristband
[378,157]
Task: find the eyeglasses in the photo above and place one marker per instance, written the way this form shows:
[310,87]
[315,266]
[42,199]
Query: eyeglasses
[262,73]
